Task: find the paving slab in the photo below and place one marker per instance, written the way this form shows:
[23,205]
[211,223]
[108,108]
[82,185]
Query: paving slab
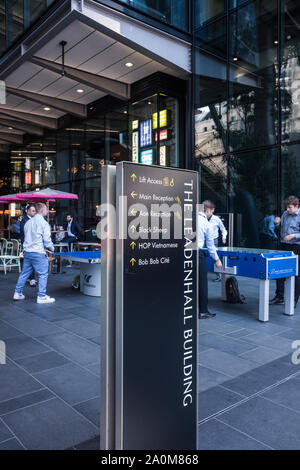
[70,382]
[41,362]
[77,349]
[214,435]
[15,382]
[267,422]
[52,425]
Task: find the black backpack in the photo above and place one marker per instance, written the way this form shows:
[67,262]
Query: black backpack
[233,295]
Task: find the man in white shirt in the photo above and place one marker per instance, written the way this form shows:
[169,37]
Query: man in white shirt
[205,236]
[37,240]
[217,224]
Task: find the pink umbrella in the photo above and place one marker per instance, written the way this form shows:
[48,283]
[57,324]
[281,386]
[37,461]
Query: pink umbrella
[47,194]
[9,198]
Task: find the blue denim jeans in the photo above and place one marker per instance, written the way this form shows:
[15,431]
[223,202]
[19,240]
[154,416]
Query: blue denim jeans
[34,262]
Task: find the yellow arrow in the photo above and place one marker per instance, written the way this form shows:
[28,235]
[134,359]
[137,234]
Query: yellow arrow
[133,212]
[177,199]
[132,261]
[133,245]
[133,176]
[133,228]
[177,214]
[133,194]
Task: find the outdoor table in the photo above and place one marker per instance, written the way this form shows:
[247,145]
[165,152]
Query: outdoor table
[60,246]
[87,245]
[90,271]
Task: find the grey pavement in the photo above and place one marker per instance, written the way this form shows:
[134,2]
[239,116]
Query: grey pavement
[248,386]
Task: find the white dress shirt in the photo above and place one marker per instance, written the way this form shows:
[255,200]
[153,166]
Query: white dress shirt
[69,229]
[217,224]
[206,235]
[37,235]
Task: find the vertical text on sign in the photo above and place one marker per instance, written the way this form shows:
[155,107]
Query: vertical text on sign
[2,353]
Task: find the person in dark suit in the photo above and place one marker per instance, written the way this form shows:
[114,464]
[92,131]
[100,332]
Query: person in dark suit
[73,230]
[30,212]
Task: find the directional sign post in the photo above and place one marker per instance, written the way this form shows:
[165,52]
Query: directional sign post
[156,308]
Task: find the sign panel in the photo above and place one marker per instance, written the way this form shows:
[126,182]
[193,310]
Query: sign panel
[156,308]
[135,147]
[163,119]
[135,124]
[163,135]
[146,133]
[163,155]
[146,157]
[28,177]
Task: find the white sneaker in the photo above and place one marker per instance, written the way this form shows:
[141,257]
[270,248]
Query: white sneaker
[18,296]
[33,282]
[45,300]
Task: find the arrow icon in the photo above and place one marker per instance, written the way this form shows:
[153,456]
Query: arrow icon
[177,199]
[133,228]
[133,176]
[133,212]
[133,194]
[132,261]
[133,245]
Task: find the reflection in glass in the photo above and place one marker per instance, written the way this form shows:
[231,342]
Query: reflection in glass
[175,12]
[207,9]
[213,37]
[2,27]
[253,90]
[14,14]
[290,71]
[290,171]
[253,191]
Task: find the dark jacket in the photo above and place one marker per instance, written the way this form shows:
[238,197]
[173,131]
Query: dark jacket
[75,229]
[25,218]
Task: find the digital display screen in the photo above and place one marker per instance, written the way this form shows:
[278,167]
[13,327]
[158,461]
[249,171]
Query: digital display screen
[146,157]
[163,155]
[163,118]
[163,135]
[135,124]
[135,147]
[146,133]
[28,177]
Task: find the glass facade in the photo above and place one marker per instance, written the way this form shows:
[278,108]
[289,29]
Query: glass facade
[70,159]
[247,106]
[17,16]
[172,12]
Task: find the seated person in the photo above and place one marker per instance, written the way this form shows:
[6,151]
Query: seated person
[74,230]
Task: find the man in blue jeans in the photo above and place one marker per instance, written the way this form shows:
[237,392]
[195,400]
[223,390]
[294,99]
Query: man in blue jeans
[37,240]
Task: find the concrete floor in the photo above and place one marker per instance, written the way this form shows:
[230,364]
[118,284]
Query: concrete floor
[49,395]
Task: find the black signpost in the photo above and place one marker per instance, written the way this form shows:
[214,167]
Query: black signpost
[156,308]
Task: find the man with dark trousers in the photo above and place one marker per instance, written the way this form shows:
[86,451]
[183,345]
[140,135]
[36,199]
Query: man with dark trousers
[30,212]
[289,241]
[205,235]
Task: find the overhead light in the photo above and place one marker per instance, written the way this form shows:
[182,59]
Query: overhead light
[149,102]
[235,59]
[276,42]
[125,112]
[80,90]
[129,64]
[10,128]
[46,108]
